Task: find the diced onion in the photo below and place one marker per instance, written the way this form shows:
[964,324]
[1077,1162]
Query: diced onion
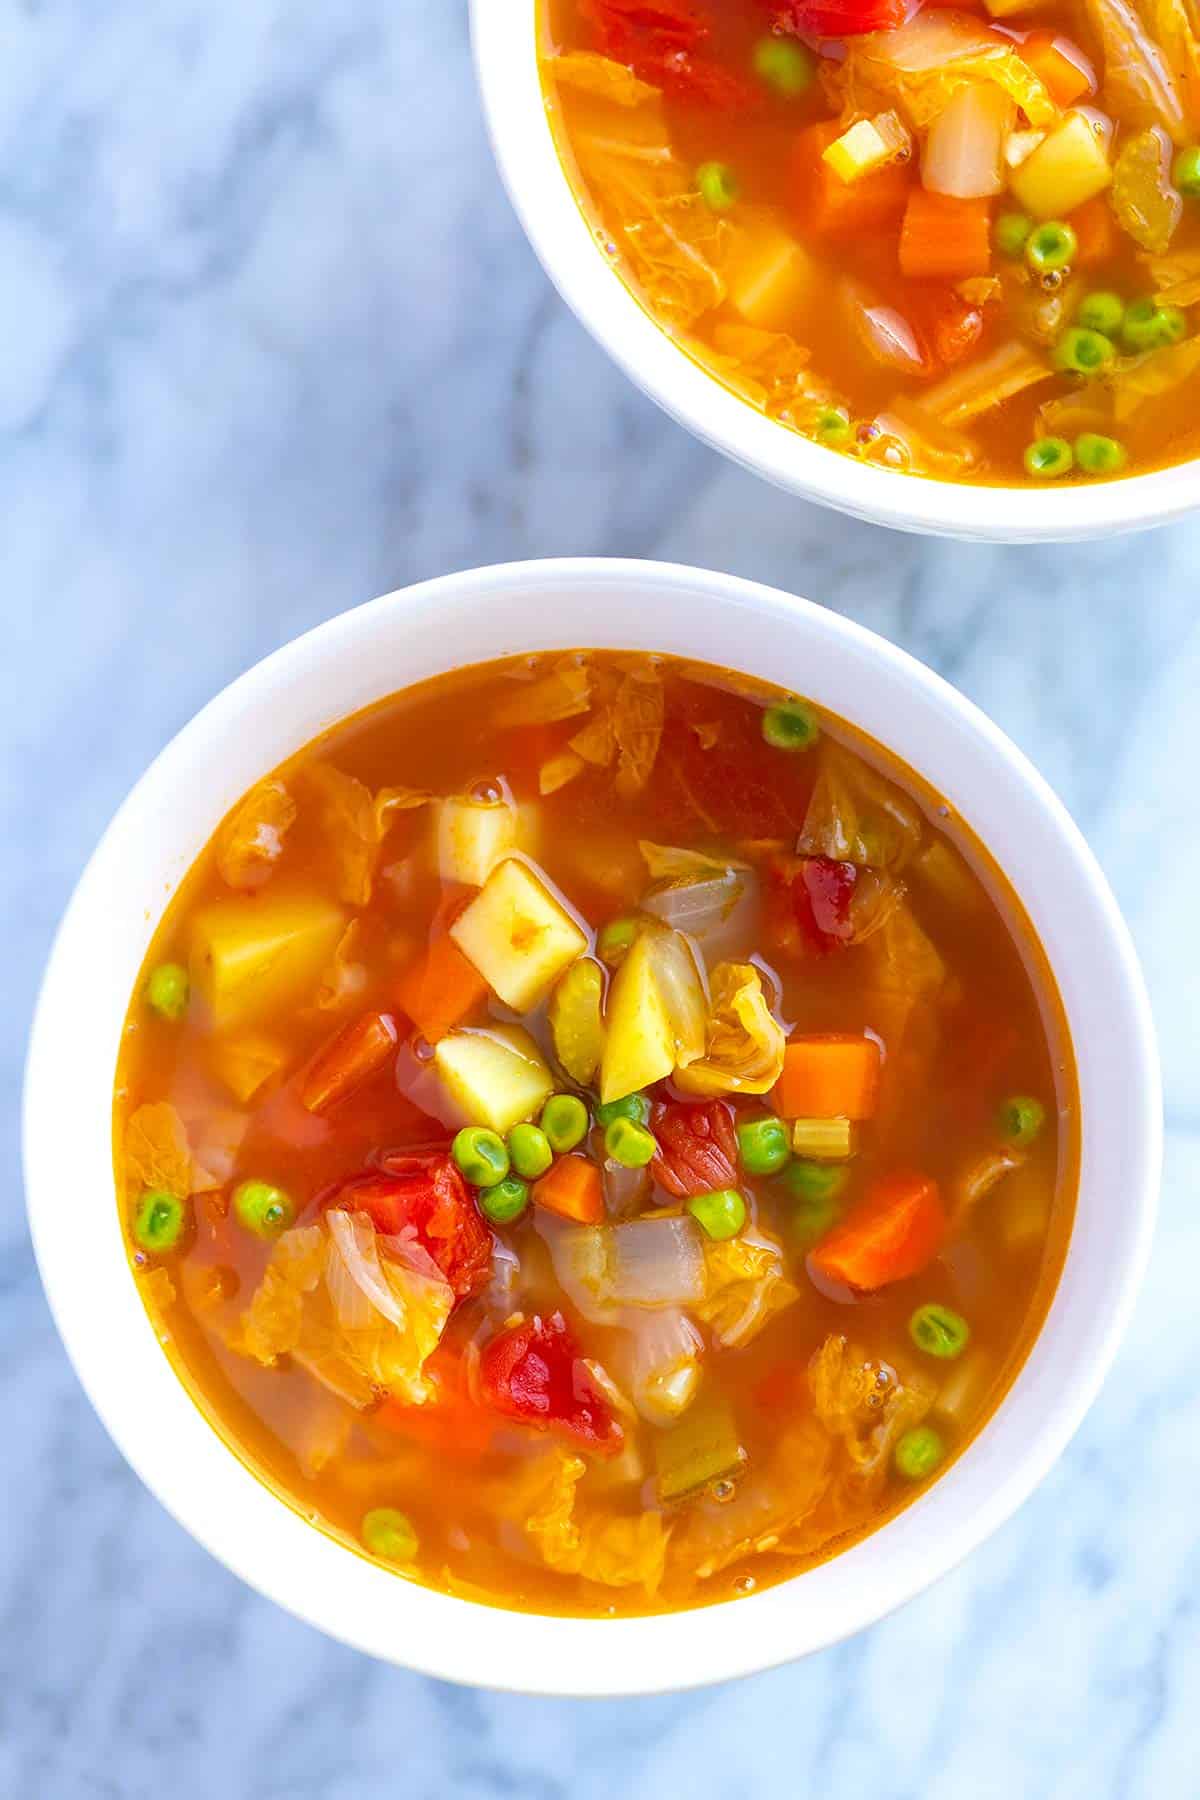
[884,333]
[659,1360]
[647,1262]
[964,148]
[699,904]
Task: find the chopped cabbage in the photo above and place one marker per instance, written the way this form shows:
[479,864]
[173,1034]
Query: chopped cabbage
[986,383]
[744,1042]
[250,842]
[667,862]
[769,1508]
[1147,206]
[271,1325]
[747,1286]
[562,694]
[855,815]
[864,1405]
[637,727]
[921,65]
[622,1550]
[1175,277]
[912,438]
[601,77]
[1172,23]
[770,370]
[356,822]
[1137,79]
[1138,381]
[157,1153]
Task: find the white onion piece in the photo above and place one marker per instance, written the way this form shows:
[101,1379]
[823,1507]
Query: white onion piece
[965,145]
[884,333]
[352,1237]
[658,1358]
[624,1189]
[657,1262]
[679,974]
[418,1081]
[580,1256]
[699,904]
[405,1247]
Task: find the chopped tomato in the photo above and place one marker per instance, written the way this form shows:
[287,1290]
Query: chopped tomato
[533,1373]
[657,39]
[809,900]
[895,1231]
[452,1422]
[424,1189]
[697,1147]
[837,18]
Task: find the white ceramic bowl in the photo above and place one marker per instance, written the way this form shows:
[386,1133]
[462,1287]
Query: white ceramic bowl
[505,40]
[356,659]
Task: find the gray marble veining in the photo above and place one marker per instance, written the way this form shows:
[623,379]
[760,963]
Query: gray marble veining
[273,343]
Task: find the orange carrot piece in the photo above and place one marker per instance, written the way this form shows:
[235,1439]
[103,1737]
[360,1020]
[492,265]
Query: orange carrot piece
[828,207]
[1064,79]
[348,1060]
[439,989]
[572,1188]
[895,1231]
[1096,230]
[828,1077]
[944,236]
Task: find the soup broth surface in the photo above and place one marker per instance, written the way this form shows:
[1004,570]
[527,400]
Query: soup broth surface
[564,914]
[961,242]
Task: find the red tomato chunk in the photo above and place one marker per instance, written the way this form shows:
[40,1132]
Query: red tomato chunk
[534,1374]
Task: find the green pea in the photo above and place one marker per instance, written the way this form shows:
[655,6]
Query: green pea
[720,1214]
[505,1201]
[1047,458]
[1186,172]
[1051,247]
[784,65]
[765,1145]
[939,1331]
[1083,352]
[158,1221]
[262,1209]
[389,1534]
[564,1121]
[1099,455]
[1012,233]
[629,1106]
[1148,326]
[614,940]
[791,726]
[629,1143]
[529,1151]
[832,426]
[481,1155]
[1020,1119]
[918,1453]
[812,1216]
[167,990]
[1101,312]
[719,186]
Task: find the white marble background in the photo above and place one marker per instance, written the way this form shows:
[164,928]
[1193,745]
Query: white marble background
[271,342]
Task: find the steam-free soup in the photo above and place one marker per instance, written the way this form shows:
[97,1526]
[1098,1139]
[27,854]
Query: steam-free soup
[595,1134]
[961,241]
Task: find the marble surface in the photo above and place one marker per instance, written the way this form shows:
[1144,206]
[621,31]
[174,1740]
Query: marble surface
[273,343]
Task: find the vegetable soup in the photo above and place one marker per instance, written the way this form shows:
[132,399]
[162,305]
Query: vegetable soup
[595,1134]
[958,241]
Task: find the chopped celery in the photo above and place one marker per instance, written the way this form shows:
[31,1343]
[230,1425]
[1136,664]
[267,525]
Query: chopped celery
[255,956]
[472,836]
[867,145]
[704,1447]
[496,1077]
[577,1021]
[824,1140]
[517,935]
[1069,166]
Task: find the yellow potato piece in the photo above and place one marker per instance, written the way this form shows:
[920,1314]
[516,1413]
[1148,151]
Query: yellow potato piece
[770,276]
[576,1020]
[640,1043]
[1068,167]
[251,958]
[495,1076]
[517,935]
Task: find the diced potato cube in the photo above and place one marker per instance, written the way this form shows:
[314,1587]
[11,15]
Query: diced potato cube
[867,145]
[495,1076]
[247,1062]
[1068,167]
[252,957]
[517,935]
[472,836]
[770,276]
[640,1045]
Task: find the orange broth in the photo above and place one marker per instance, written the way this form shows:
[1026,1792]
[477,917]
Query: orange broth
[778,1435]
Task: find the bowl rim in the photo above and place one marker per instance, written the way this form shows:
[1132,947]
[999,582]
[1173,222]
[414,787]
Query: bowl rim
[149,1413]
[505,36]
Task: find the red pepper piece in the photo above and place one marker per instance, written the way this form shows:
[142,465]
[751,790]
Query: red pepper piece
[895,1231]
[348,1061]
[425,1190]
[697,1147]
[533,1373]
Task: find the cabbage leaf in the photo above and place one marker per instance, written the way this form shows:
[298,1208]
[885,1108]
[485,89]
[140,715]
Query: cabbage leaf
[921,65]
[602,77]
[616,1550]
[747,1286]
[855,815]
[864,1405]
[355,823]
[744,1042]
[157,1153]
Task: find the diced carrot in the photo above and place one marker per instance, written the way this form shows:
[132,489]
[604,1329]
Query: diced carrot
[348,1060]
[1096,230]
[895,1231]
[572,1188]
[944,236]
[828,1077]
[439,989]
[826,206]
[1053,61]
